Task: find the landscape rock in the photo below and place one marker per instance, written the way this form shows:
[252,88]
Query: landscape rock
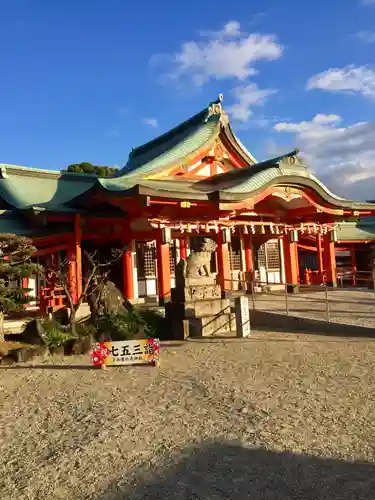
[32,334]
[106,298]
[7,361]
[57,350]
[23,354]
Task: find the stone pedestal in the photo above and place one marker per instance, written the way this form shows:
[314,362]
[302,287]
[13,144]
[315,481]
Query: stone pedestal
[197,309]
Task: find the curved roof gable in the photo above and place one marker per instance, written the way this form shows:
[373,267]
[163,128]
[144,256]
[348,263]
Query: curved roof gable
[286,169]
[179,145]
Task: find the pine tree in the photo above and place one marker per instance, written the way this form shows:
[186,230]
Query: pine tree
[15,264]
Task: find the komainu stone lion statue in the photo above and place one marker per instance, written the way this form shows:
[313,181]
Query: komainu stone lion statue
[198,262]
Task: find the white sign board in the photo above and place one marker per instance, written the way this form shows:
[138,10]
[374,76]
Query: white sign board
[128,352]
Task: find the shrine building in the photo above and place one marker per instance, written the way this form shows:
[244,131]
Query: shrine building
[273,221]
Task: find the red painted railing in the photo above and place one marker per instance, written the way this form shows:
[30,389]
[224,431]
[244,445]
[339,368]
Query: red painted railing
[312,277]
[51,298]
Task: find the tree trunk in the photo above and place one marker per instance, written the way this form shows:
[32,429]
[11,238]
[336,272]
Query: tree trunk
[73,322]
[2,334]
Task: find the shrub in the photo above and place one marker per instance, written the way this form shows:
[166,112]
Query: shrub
[126,325]
[120,326]
[54,334]
[153,323]
[86,329]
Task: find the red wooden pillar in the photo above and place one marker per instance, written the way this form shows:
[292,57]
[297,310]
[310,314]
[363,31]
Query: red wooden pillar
[78,254]
[291,261]
[249,260]
[223,262]
[127,271]
[248,247]
[319,249]
[183,248]
[164,269]
[72,273]
[25,286]
[329,257]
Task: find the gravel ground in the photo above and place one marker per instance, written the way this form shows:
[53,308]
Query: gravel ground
[277,416]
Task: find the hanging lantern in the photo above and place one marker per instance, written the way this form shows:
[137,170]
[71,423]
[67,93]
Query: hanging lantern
[277,229]
[253,228]
[285,230]
[309,229]
[272,229]
[333,236]
[245,230]
[188,228]
[207,228]
[225,235]
[262,229]
[166,235]
[293,236]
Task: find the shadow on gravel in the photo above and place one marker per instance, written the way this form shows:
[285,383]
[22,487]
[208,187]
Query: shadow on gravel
[49,367]
[218,471]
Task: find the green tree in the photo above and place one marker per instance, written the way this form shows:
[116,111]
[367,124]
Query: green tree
[15,264]
[88,168]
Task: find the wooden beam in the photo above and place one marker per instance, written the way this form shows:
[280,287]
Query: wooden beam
[50,250]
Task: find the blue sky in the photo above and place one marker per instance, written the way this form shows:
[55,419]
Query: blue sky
[87,81]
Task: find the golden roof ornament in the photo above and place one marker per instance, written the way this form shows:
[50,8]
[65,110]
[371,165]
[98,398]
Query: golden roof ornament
[216,108]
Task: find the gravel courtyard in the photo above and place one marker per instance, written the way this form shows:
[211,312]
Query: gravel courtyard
[280,416]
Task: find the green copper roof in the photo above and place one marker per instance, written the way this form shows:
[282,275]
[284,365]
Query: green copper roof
[353,231]
[14,223]
[24,188]
[169,150]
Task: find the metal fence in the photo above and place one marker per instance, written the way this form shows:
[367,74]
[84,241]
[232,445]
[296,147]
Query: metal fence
[353,305]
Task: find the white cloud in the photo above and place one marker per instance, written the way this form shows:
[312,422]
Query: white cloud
[230,29]
[246,97]
[353,79]
[228,53]
[366,36]
[152,122]
[343,157]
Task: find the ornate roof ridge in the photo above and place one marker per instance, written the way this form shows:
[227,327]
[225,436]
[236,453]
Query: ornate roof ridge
[242,174]
[213,109]
[7,169]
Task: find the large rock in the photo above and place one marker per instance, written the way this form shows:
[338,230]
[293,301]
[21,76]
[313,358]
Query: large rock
[106,298]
